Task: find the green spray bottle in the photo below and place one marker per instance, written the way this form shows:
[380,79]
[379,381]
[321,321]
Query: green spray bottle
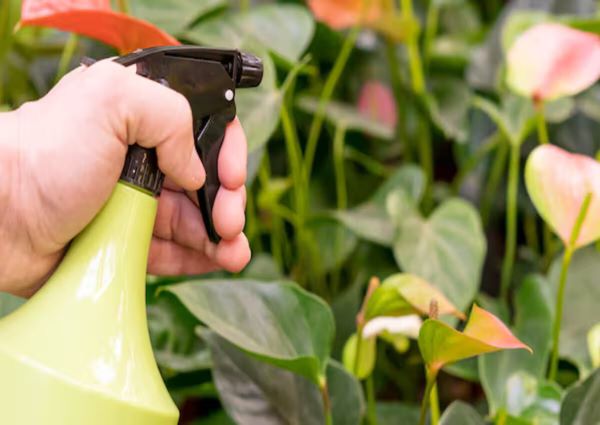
[78,352]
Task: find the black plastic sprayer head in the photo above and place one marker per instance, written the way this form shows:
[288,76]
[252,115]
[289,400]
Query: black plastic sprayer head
[208,79]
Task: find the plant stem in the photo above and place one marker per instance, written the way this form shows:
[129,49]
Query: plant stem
[399,96]
[366,161]
[495,175]
[512,192]
[434,409]
[67,55]
[330,83]
[341,194]
[426,159]
[371,411]
[569,249]
[414,56]
[123,6]
[326,404]
[431,376]
[542,129]
[433,14]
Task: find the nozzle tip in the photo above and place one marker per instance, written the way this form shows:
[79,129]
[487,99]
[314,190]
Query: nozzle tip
[252,71]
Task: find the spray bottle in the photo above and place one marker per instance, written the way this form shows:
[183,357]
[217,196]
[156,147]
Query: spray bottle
[78,352]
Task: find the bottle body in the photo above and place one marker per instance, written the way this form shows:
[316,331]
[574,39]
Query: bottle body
[79,350]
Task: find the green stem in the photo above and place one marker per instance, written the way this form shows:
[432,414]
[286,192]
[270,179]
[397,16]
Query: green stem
[67,55]
[342,196]
[371,402]
[542,129]
[431,376]
[549,246]
[495,175]
[366,161]
[434,409]
[330,84]
[414,56]
[569,249]
[359,339]
[123,6]
[433,14]
[326,404]
[512,192]
[399,96]
[426,160]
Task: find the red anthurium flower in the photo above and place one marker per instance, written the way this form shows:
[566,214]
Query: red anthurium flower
[377,102]
[341,14]
[95,19]
[550,60]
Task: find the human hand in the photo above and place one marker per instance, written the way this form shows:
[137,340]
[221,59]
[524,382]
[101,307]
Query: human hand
[62,155]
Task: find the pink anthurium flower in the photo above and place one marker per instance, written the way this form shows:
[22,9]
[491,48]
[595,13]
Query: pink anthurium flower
[342,14]
[558,182]
[95,19]
[377,102]
[551,60]
[485,333]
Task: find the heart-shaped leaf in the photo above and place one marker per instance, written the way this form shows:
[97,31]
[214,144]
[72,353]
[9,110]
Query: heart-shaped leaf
[580,406]
[405,294]
[551,60]
[283,29]
[173,16]
[255,392]
[485,333]
[278,322]
[394,413]
[532,400]
[558,182]
[447,249]
[533,325]
[460,413]
[514,117]
[371,220]
[95,19]
[449,104]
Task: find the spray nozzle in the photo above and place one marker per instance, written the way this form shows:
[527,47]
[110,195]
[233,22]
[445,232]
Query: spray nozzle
[208,79]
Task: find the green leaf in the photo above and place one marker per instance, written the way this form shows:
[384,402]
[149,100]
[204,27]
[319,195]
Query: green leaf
[394,413]
[533,325]
[9,303]
[484,333]
[580,406]
[349,117]
[447,249]
[334,243]
[531,400]
[582,298]
[176,347]
[284,29]
[366,362]
[255,392]
[449,104]
[173,16]
[278,322]
[460,413]
[262,267]
[370,220]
